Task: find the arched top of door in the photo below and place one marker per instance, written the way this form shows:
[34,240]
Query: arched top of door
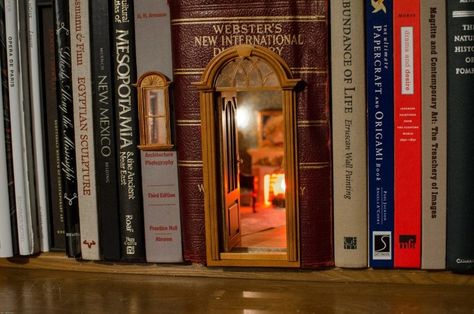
[246,66]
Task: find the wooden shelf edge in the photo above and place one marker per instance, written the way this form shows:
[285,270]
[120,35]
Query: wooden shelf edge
[57,261]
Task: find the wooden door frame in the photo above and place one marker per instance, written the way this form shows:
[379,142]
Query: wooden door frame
[207,90]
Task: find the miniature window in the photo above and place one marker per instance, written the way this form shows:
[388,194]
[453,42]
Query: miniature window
[154,112]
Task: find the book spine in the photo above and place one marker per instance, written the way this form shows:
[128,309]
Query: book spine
[349,121]
[460,69]
[191,21]
[66,129]
[379,49]
[6,240]
[22,196]
[38,127]
[84,135]
[7,127]
[407,118]
[50,118]
[161,214]
[104,128]
[433,80]
[126,117]
[27,123]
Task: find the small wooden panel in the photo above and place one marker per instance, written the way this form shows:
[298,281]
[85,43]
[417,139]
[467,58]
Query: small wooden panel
[57,261]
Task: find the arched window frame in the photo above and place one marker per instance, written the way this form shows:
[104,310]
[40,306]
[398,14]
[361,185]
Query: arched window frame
[207,91]
[153,81]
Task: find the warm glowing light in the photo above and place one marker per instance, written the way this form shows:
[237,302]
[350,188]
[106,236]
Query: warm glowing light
[243,117]
[273,185]
[279,185]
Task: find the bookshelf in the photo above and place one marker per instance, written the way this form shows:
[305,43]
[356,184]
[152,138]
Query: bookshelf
[59,262]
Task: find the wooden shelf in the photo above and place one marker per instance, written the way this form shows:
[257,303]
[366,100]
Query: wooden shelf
[57,261]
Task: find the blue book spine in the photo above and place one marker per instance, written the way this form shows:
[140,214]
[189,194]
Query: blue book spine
[379,54]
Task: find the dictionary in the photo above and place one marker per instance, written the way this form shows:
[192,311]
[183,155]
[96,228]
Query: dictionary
[379,64]
[460,220]
[349,122]
[407,129]
[433,80]
[286,42]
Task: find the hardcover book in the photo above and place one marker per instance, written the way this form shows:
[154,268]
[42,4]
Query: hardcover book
[37,108]
[433,80]
[407,128]
[159,168]
[6,246]
[7,128]
[50,116]
[379,50]
[349,122]
[126,117]
[26,216]
[104,130]
[460,220]
[84,134]
[298,32]
[66,129]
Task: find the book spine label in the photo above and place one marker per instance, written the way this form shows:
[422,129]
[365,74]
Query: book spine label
[407,111]
[434,146]
[84,135]
[349,121]
[126,117]
[379,48]
[22,197]
[298,32]
[161,206]
[38,127]
[49,87]
[460,37]
[104,129]
[66,129]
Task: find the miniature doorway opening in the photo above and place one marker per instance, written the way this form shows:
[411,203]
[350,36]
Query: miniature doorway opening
[249,138]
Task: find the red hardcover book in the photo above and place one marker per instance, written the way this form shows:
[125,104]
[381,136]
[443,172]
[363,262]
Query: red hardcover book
[407,93]
[197,28]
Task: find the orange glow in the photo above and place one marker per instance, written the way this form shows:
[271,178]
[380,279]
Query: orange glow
[273,185]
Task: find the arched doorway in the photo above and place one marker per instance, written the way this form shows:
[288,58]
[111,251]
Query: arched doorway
[247,103]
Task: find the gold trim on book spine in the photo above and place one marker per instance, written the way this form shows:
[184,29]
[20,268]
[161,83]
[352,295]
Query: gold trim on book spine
[255,19]
[314,165]
[309,70]
[188,71]
[309,123]
[190,163]
[188,122]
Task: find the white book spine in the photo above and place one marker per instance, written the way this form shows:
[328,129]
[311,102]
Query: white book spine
[6,247]
[83,127]
[22,197]
[38,134]
[349,129]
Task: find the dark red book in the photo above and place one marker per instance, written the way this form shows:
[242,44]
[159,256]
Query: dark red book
[407,102]
[298,32]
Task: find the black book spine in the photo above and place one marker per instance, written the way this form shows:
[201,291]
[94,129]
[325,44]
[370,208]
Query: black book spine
[8,137]
[460,196]
[104,130]
[50,112]
[126,115]
[66,129]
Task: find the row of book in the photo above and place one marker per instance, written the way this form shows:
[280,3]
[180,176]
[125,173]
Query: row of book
[403,77]
[76,180]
